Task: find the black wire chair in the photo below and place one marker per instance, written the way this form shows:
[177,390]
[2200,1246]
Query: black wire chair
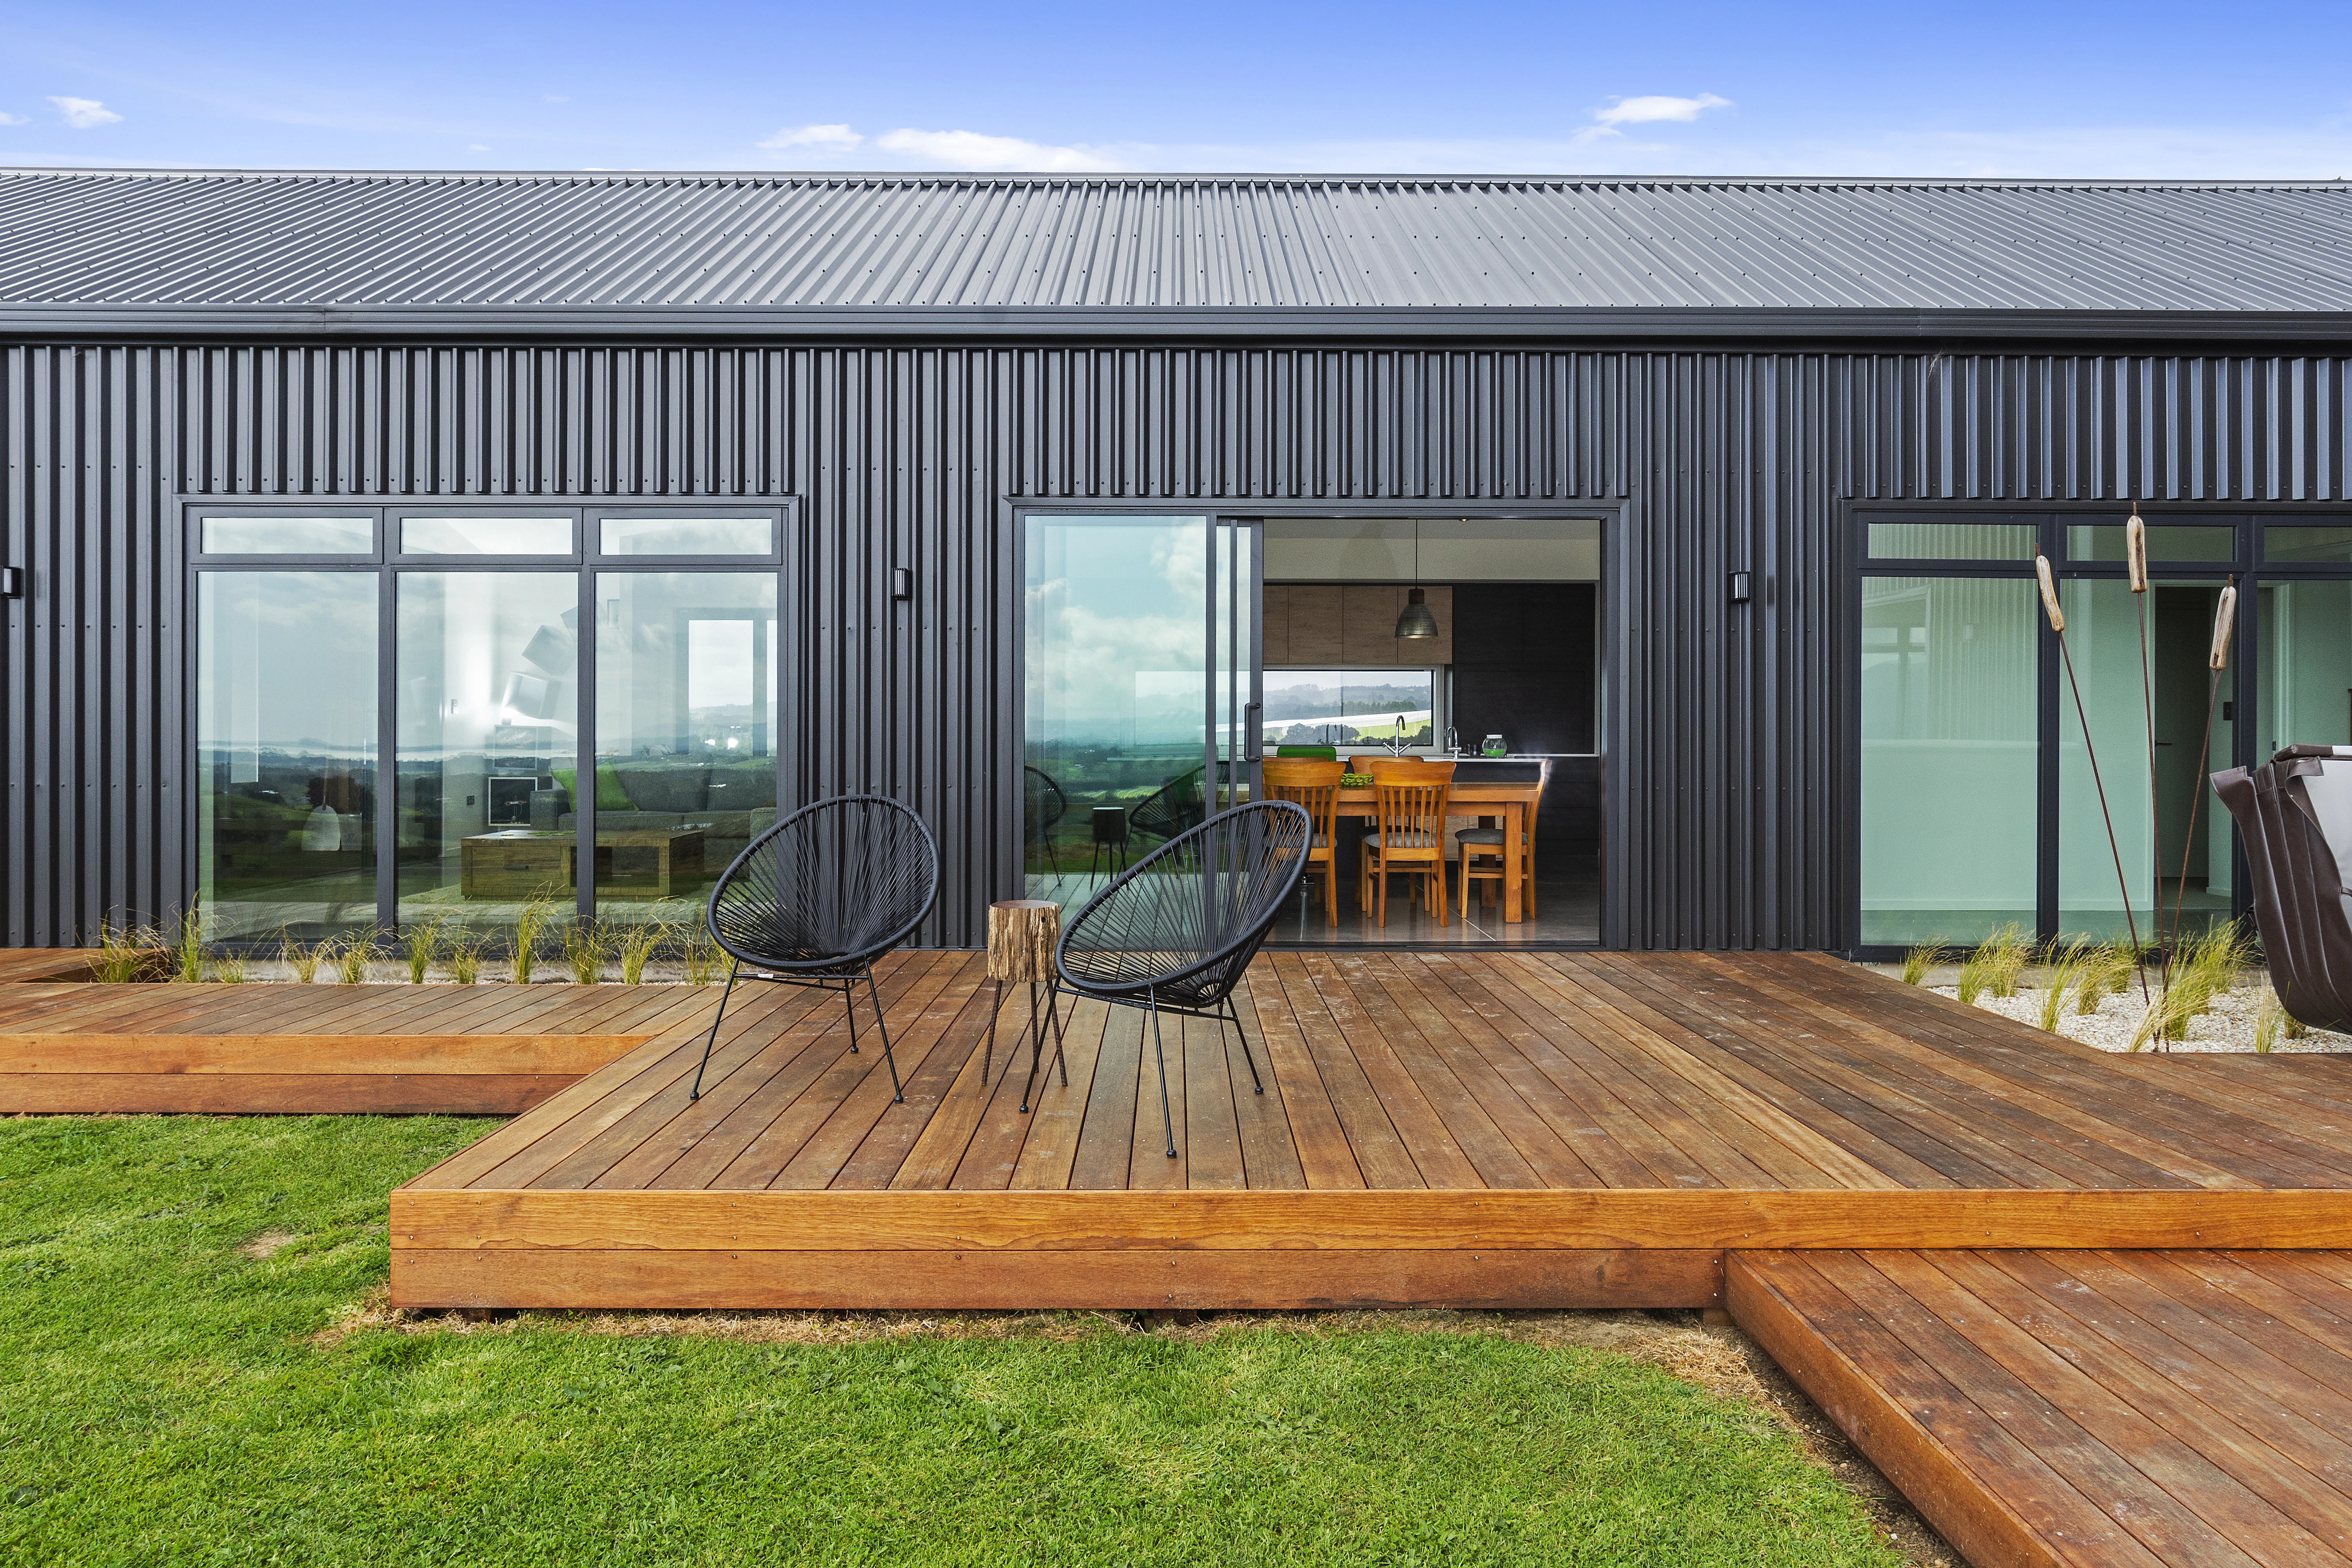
[1175,932]
[1043,803]
[1174,809]
[816,898]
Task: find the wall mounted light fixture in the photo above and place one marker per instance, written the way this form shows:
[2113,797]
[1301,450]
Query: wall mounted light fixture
[1740,593]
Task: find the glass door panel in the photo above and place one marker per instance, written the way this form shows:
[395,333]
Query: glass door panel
[1949,757]
[286,749]
[2305,669]
[2102,634]
[1117,693]
[486,667]
[1233,656]
[686,720]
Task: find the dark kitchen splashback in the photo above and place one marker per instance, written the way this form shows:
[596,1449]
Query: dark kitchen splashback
[1523,669]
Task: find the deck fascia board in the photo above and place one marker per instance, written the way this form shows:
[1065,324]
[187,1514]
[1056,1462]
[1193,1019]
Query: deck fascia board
[1441,1219]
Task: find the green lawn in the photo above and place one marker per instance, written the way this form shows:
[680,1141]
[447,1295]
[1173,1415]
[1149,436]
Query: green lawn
[167,1397]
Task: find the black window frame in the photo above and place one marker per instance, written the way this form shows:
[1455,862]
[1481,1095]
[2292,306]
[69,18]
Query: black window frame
[388,563]
[2051,520]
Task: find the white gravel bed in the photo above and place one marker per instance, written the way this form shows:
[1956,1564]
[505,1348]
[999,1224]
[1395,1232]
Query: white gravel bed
[2229,1027]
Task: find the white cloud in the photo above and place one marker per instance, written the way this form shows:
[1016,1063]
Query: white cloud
[475,147]
[824,138]
[85,113]
[8,118]
[971,150]
[559,98]
[1643,111]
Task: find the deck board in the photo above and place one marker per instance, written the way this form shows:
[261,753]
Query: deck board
[1732,1082]
[2081,1407]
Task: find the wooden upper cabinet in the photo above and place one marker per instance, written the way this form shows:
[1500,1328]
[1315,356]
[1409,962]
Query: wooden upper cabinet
[1274,629]
[1350,625]
[1313,620]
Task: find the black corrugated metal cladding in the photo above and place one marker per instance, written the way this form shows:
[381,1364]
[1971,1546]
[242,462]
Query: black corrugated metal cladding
[1736,831]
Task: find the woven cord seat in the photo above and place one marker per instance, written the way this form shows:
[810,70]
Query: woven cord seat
[1175,932]
[816,898]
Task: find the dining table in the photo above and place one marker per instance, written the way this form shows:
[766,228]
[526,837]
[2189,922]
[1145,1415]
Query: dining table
[1488,801]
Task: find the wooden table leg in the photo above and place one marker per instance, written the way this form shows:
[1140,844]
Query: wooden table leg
[1512,813]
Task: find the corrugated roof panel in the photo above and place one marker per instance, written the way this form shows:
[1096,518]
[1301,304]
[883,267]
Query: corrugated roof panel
[86,238]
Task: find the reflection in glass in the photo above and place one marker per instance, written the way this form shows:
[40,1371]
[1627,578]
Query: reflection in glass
[286,743]
[486,667]
[286,534]
[2102,634]
[1115,684]
[1347,706]
[2103,631]
[486,535]
[686,535]
[1951,542]
[2332,545]
[1948,757]
[685,719]
[2304,632]
[2166,541]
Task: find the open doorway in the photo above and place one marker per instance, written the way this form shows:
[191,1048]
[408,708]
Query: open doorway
[1503,686]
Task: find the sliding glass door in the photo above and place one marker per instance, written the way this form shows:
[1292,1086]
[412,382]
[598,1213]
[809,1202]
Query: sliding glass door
[1139,687]
[1992,795]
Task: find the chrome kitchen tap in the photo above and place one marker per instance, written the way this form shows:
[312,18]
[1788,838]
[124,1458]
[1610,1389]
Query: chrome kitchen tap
[1396,742]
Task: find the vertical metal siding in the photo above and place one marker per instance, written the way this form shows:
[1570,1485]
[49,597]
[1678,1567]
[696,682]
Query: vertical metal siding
[1735,821]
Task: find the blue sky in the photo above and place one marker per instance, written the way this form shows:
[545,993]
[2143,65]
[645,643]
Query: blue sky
[2151,90]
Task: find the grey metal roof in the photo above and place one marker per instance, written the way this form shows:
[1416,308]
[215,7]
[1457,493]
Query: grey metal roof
[641,250]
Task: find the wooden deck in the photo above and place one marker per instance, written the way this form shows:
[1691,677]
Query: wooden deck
[2135,1408]
[247,1049]
[2054,1294]
[1496,1129]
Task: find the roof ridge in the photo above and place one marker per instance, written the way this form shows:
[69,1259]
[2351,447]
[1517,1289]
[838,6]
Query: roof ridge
[979,177]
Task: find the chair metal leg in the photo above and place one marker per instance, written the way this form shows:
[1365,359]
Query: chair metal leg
[1166,1117]
[712,1039]
[1053,1013]
[898,1092]
[1244,1034]
[988,1051]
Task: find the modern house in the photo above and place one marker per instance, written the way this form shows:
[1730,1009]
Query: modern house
[390,547]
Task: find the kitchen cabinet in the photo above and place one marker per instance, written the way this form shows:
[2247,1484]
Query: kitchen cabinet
[1349,626]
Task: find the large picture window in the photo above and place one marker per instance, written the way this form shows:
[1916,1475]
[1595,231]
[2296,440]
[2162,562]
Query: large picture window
[561,732]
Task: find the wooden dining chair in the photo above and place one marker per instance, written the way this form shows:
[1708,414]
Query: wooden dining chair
[1408,836]
[1485,846]
[1314,785]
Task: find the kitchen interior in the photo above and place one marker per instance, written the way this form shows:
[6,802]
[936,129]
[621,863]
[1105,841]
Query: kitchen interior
[1472,641]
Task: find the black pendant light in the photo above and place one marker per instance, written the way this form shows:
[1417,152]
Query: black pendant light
[1417,620]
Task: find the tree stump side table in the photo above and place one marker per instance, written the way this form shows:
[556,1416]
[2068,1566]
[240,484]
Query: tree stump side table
[1022,936]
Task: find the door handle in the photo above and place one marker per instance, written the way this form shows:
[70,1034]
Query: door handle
[1250,741]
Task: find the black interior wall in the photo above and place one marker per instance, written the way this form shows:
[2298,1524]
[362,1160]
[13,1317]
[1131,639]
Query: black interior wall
[1524,666]
[1736,825]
